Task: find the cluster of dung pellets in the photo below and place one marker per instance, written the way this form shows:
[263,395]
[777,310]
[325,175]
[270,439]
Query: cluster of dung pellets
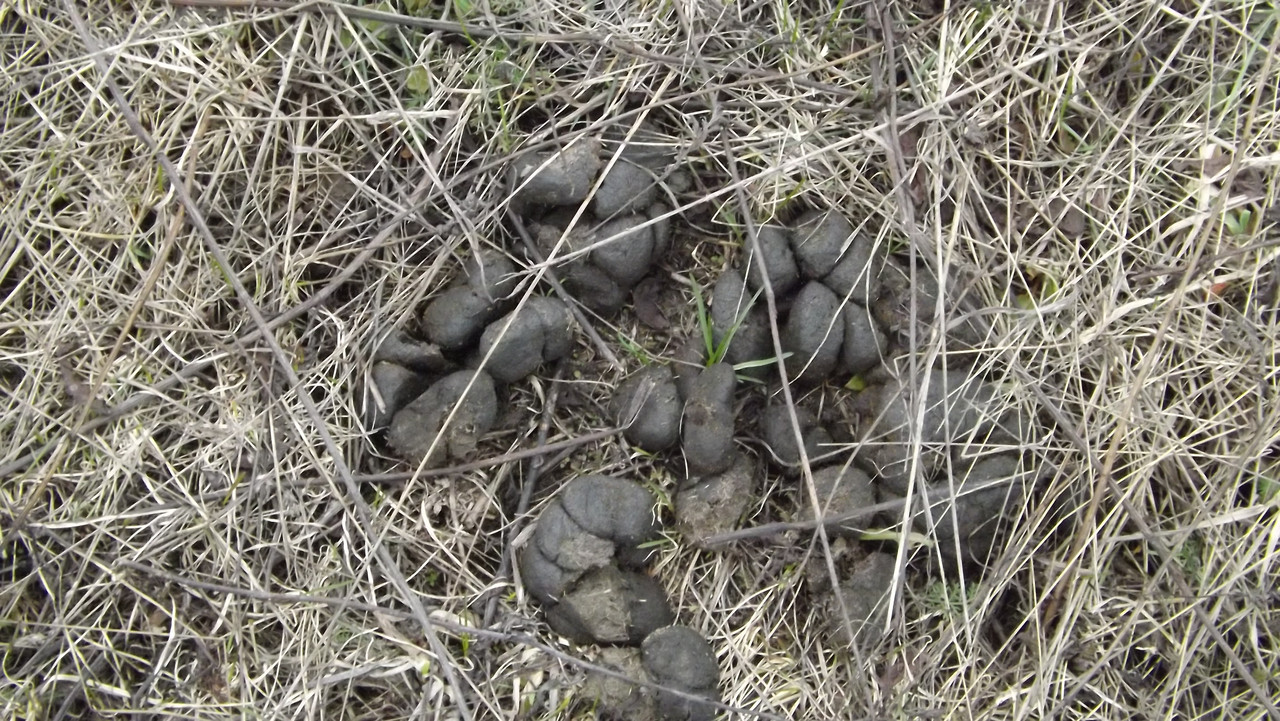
[969,479]
[437,395]
[844,309]
[822,276]
[845,312]
[585,564]
[837,319]
[611,237]
[676,658]
[841,312]
[694,410]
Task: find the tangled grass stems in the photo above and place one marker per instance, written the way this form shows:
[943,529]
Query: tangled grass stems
[1098,181]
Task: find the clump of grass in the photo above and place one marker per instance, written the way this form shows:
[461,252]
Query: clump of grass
[177,539]
[716,352]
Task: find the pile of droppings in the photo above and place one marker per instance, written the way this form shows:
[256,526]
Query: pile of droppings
[584,560]
[475,338]
[675,657]
[844,310]
[612,241]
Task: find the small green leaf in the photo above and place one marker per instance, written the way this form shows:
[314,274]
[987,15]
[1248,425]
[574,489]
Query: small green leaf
[1048,286]
[418,81]
[913,539]
[704,320]
[1238,221]
[1041,286]
[794,192]
[856,383]
[729,217]
[759,363]
[375,27]
[633,349]
[657,543]
[1267,485]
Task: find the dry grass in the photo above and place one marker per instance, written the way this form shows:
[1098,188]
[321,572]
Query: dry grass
[179,540]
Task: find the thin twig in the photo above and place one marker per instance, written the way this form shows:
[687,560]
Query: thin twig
[897,171]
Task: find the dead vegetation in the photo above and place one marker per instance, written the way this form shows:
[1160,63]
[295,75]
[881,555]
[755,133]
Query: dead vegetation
[211,216]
